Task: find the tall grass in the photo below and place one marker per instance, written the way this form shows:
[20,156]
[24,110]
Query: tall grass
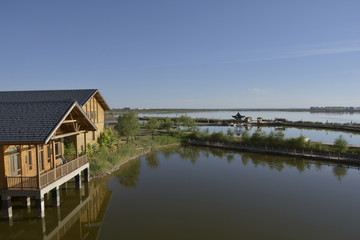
[104,158]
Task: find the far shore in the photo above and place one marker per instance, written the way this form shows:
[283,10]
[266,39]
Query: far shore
[187,110]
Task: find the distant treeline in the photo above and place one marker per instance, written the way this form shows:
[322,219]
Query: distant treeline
[187,110]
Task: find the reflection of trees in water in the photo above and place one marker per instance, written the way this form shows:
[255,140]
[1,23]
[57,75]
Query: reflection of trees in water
[152,160]
[245,159]
[206,153]
[275,163]
[279,163]
[339,172]
[230,157]
[167,153]
[318,166]
[189,153]
[271,161]
[128,174]
[194,153]
[217,152]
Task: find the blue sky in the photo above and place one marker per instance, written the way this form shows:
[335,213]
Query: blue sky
[186,53]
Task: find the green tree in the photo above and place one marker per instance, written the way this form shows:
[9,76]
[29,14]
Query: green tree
[258,137]
[275,138]
[245,136]
[107,138]
[128,125]
[341,144]
[187,122]
[299,142]
[152,125]
[230,133]
[166,124]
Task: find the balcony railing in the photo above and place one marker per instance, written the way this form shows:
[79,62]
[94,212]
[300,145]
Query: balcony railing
[46,178]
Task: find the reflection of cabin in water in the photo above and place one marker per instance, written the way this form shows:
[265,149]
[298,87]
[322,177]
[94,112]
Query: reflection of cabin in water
[34,126]
[80,216]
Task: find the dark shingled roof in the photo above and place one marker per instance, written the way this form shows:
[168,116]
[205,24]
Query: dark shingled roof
[24,122]
[80,95]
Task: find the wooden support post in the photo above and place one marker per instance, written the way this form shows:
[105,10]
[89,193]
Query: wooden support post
[78,181]
[55,195]
[27,202]
[6,206]
[86,175]
[40,205]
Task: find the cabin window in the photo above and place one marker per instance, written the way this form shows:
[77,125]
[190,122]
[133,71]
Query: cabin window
[49,153]
[93,116]
[41,157]
[15,161]
[58,149]
[93,135]
[28,157]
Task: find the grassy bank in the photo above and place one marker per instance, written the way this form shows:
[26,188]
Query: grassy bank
[275,139]
[105,158]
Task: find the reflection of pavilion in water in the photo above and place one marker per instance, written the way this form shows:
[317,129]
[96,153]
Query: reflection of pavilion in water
[80,216]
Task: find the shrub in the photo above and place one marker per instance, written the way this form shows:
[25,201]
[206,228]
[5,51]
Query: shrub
[166,124]
[218,136]
[187,122]
[245,136]
[230,133]
[341,144]
[107,138]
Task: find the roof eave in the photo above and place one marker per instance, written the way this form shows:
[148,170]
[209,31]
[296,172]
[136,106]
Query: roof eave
[102,101]
[75,104]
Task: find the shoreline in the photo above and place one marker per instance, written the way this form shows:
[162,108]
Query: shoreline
[117,167]
[339,158]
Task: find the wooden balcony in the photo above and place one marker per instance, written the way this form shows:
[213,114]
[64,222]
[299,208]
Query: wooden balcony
[46,178]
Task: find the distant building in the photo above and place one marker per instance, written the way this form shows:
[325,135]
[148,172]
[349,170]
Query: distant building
[280,120]
[248,119]
[332,109]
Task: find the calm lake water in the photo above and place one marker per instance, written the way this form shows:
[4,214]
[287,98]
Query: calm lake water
[291,116]
[199,193]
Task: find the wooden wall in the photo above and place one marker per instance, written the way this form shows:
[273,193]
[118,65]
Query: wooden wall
[97,114]
[27,168]
[2,167]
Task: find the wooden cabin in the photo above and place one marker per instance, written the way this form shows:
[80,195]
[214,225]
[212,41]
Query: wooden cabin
[32,162]
[90,100]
